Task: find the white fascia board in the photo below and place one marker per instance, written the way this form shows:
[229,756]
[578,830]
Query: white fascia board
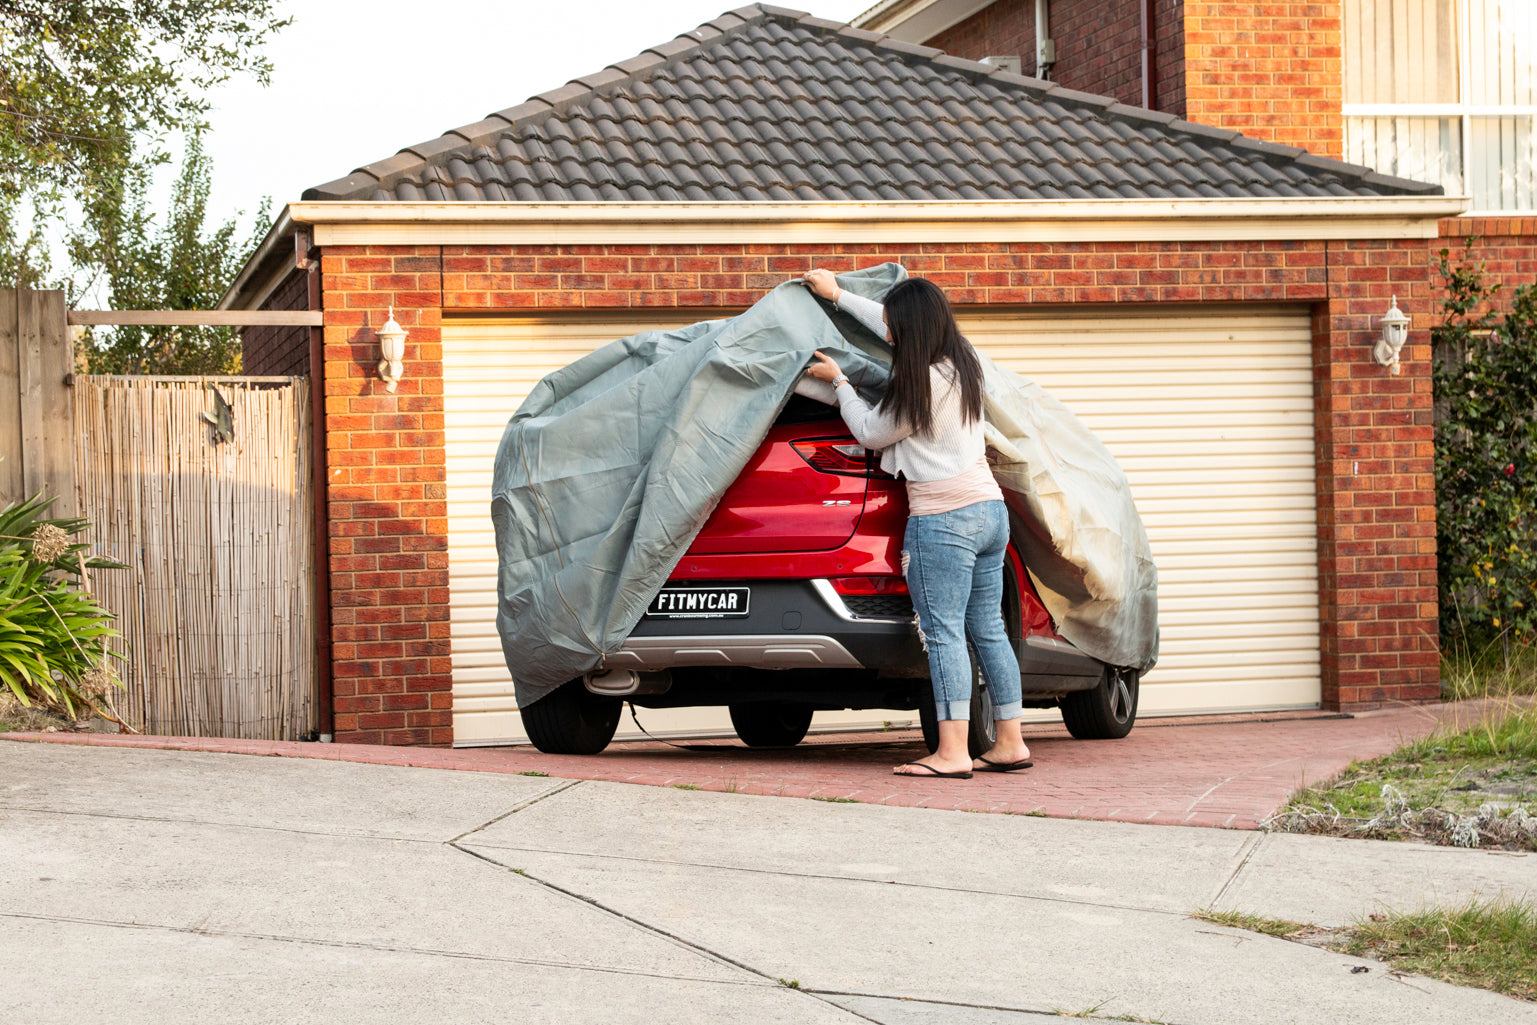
[684,223]
[917,21]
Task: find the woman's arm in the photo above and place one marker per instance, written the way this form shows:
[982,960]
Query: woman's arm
[872,427]
[867,311]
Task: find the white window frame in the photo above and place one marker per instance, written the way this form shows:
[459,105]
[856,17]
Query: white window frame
[1465,112]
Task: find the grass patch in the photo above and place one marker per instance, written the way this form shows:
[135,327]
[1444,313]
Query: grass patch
[533,772]
[1484,944]
[1471,783]
[836,800]
[1489,672]
[1278,927]
[684,786]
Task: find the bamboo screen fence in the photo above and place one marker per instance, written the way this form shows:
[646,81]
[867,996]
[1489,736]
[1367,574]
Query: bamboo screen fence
[216,605]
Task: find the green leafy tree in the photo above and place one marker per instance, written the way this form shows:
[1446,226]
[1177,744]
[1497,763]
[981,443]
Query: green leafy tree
[1485,374]
[89,90]
[183,266]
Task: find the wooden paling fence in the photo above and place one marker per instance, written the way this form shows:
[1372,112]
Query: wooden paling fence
[216,606]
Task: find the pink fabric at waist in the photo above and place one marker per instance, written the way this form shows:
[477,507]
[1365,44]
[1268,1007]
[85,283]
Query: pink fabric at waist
[976,484]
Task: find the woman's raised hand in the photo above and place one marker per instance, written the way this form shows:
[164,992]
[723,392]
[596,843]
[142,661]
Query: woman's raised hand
[823,284]
[824,369]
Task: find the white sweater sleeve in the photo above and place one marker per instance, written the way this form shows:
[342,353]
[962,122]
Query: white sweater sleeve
[867,311]
[872,427]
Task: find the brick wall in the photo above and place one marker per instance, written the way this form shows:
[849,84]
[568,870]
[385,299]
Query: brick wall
[385,457]
[1376,483]
[1099,45]
[1506,246]
[1170,85]
[385,492]
[1271,71]
[279,351]
[1005,28]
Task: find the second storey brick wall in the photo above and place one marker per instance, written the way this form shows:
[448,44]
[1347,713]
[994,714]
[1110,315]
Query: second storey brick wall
[1272,71]
[388,544]
[1098,43]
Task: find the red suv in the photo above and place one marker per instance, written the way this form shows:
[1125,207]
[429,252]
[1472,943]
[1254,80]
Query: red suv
[791,599]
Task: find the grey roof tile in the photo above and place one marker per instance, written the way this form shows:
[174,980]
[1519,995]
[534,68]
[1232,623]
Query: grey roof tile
[768,104]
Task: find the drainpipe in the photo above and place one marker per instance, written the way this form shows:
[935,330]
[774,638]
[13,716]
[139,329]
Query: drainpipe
[310,266]
[1149,57]
[1045,49]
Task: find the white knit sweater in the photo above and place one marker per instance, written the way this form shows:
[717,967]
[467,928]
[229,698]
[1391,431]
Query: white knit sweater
[949,448]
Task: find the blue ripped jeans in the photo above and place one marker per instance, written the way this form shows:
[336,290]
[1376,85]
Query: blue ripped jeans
[954,567]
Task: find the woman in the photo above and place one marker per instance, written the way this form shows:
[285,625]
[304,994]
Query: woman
[928,427]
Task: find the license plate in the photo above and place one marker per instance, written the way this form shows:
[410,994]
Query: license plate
[699,603]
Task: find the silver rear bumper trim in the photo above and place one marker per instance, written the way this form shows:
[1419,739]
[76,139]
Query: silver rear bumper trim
[772,651]
[834,601]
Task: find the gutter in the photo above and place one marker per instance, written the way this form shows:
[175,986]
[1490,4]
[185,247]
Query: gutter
[854,211]
[341,222]
[264,253]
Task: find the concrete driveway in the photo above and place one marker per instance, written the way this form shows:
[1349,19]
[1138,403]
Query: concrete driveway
[169,887]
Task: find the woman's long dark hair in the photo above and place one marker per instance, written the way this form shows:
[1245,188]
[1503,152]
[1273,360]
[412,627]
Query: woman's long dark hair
[924,332]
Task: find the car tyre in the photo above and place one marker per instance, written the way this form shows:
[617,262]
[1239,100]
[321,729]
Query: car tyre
[984,728]
[1107,712]
[771,723]
[571,720]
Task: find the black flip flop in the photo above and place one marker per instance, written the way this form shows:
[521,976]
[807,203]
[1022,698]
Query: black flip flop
[992,766]
[929,772]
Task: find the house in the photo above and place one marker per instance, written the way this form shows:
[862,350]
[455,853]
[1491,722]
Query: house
[1206,300]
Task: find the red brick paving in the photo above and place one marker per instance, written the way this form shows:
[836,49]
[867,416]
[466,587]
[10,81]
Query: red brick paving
[1223,771]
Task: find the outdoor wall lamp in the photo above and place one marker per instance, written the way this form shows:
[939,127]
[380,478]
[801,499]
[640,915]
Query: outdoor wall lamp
[1395,331]
[392,347]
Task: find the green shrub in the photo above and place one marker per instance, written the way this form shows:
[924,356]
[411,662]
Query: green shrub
[1485,375]
[52,631]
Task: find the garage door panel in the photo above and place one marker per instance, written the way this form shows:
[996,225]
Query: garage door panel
[1210,413]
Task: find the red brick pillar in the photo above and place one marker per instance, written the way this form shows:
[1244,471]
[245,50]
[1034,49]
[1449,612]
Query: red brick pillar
[1376,484]
[386,494]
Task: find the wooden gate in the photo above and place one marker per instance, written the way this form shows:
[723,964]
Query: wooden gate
[36,358]
[216,606]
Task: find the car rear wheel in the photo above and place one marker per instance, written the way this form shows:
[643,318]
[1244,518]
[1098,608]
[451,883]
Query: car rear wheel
[1105,713]
[983,732]
[571,720]
[771,723]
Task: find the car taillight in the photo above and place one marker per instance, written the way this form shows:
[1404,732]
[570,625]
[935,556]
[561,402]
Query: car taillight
[842,456]
[869,585]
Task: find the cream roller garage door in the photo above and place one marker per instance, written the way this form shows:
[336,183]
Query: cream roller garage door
[1210,411]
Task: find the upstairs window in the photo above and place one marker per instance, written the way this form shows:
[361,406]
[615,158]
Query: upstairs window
[1445,91]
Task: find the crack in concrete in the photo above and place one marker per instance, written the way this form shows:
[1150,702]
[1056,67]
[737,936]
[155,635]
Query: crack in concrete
[1046,1012]
[1251,844]
[561,787]
[655,930]
[834,878]
[386,948]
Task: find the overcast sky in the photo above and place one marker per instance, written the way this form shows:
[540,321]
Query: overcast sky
[355,82]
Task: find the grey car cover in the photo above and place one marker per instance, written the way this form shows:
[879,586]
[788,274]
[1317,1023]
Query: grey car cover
[613,464]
